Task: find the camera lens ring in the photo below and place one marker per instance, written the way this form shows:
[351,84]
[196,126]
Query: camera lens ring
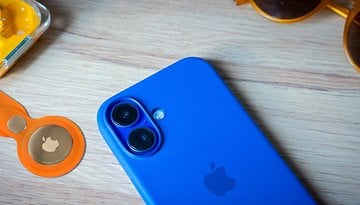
[142,139]
[125,114]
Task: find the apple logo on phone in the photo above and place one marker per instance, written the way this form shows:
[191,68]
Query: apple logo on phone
[49,145]
[217,181]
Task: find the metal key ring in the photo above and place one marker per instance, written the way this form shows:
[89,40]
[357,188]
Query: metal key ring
[50,146]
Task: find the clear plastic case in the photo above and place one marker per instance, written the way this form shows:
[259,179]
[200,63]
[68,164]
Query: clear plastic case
[22,22]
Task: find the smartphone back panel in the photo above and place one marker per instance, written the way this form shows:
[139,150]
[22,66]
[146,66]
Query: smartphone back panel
[211,152]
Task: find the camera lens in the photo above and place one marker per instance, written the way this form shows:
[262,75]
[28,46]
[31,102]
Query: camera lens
[125,114]
[141,139]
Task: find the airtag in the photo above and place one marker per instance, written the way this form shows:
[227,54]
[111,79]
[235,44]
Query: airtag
[50,144]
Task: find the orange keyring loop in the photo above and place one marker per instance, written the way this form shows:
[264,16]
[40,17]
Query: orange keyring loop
[10,109]
[63,167]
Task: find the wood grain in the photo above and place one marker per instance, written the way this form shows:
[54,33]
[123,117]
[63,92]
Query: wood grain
[293,79]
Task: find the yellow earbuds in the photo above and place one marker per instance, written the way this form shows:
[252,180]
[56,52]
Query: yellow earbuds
[21,23]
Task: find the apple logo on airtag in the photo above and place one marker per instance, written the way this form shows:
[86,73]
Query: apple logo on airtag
[49,145]
[217,181]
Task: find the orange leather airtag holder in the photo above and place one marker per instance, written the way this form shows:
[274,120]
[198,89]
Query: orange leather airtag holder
[10,108]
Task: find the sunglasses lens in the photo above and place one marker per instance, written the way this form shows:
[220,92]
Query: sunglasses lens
[287,9]
[353,42]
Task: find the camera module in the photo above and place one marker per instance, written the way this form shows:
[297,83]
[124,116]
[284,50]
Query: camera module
[141,139]
[125,114]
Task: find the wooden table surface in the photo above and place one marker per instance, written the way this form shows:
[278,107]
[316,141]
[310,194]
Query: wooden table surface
[294,79]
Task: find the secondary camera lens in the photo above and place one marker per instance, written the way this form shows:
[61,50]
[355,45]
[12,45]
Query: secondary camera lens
[125,114]
[141,139]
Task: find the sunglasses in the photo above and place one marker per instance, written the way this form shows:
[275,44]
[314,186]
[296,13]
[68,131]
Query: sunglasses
[290,11]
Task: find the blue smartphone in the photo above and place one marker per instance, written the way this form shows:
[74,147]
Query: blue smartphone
[183,138]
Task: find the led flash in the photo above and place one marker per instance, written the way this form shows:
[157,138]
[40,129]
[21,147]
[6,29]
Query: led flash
[159,114]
